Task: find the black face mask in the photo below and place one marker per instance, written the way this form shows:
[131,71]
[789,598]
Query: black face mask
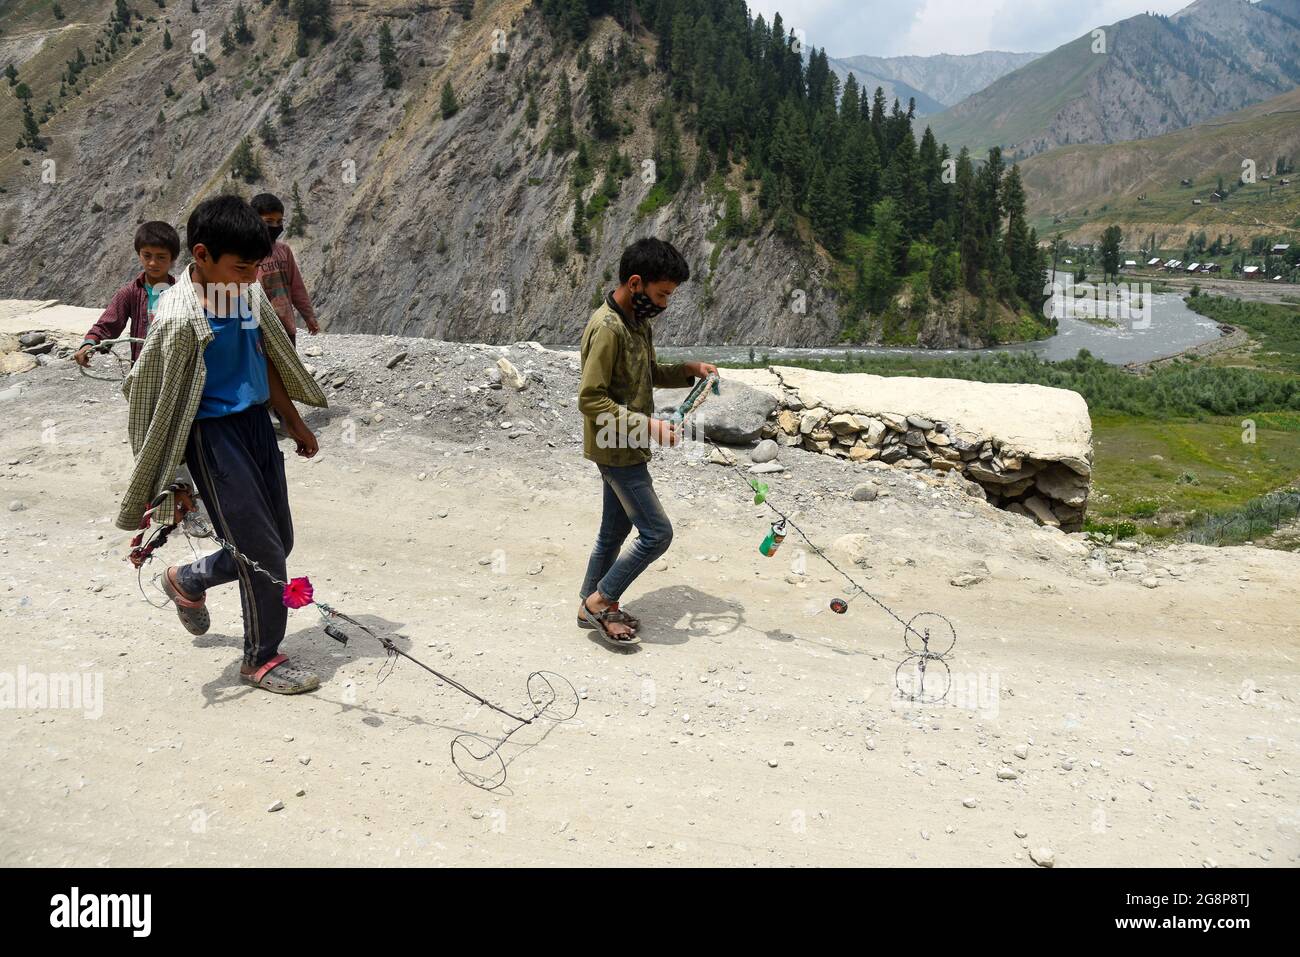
[643,307]
[275,232]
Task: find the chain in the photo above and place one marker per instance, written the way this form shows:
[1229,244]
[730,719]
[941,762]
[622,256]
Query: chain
[784,517]
[195,524]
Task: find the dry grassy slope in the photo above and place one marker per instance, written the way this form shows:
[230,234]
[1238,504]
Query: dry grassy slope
[478,185]
[1070,179]
[38,45]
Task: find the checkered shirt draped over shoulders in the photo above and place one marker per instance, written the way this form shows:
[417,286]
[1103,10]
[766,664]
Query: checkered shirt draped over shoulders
[165,384]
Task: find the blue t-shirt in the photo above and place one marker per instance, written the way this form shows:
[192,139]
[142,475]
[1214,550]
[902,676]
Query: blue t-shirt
[236,365]
[154,293]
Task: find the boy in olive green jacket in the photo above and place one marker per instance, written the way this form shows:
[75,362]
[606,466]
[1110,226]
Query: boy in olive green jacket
[616,397]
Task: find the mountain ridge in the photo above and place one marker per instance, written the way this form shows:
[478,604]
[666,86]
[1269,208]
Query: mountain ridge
[1140,77]
[1138,184]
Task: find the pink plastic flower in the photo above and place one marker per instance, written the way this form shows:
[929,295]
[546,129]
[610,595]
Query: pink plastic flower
[297,593]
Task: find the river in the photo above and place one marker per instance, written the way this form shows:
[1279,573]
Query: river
[1136,336]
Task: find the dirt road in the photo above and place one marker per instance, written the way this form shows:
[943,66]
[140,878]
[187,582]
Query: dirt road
[1093,721]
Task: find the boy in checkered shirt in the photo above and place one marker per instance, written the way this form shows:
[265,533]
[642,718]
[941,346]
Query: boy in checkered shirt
[216,356]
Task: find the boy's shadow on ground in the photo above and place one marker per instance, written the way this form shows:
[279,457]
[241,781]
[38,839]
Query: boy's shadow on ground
[309,647]
[318,419]
[675,614]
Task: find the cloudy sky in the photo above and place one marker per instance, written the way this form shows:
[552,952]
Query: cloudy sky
[923,27]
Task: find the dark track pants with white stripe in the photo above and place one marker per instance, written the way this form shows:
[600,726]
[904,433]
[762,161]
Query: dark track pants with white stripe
[239,471]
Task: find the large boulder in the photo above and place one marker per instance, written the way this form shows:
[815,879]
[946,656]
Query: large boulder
[1046,424]
[733,418]
[1025,448]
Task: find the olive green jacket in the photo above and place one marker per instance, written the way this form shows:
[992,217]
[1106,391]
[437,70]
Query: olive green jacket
[616,396]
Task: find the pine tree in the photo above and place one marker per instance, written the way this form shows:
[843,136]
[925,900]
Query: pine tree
[826,218]
[599,101]
[167,39]
[388,63]
[784,221]
[862,175]
[561,138]
[1021,248]
[733,223]
[670,172]
[881,269]
[298,221]
[790,150]
[767,190]
[609,186]
[449,106]
[243,164]
[266,131]
[967,222]
[929,171]
[243,35]
[31,129]
[581,234]
[943,269]
[1111,238]
[878,118]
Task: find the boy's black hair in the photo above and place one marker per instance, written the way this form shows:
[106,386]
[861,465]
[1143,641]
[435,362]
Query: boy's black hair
[653,260]
[266,203]
[158,233]
[227,224]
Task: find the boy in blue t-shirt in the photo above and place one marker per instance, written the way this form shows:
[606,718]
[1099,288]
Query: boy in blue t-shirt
[236,364]
[245,361]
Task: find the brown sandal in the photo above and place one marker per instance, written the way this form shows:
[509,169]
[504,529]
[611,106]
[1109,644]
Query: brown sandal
[615,614]
[597,620]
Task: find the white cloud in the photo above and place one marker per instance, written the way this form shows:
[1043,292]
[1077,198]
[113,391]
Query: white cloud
[924,27]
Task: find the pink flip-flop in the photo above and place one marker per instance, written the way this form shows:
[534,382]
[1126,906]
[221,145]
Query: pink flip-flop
[279,676]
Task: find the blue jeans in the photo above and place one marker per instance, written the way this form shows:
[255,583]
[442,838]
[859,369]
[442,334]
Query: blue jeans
[629,499]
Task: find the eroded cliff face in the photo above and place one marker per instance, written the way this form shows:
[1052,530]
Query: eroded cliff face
[419,225]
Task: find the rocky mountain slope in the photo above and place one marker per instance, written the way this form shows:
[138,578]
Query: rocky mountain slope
[454,227]
[1139,77]
[937,81]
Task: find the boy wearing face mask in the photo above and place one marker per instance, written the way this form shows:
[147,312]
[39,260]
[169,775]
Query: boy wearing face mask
[278,272]
[616,397]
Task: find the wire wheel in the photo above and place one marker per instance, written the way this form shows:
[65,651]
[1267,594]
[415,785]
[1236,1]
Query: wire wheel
[552,696]
[106,366]
[929,633]
[479,762]
[923,679]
